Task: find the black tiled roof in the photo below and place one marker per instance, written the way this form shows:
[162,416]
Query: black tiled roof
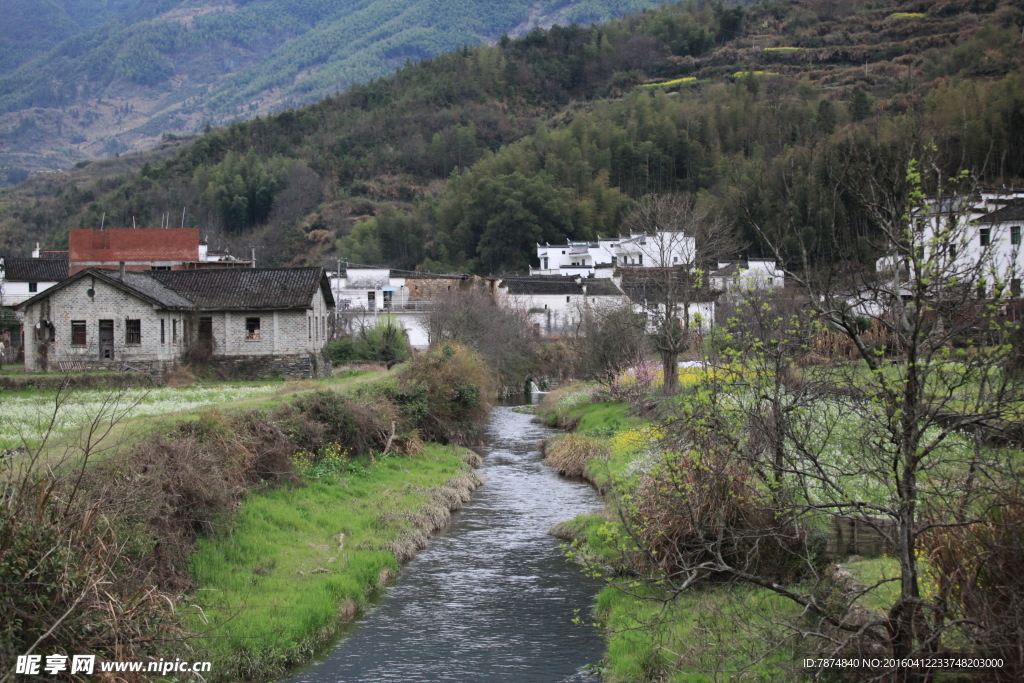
[143,284]
[221,289]
[1013,211]
[214,289]
[537,286]
[655,284]
[558,284]
[36,269]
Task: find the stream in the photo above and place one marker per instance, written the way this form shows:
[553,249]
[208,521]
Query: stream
[492,597]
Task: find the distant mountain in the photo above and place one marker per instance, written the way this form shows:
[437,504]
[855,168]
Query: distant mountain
[91,78]
[467,160]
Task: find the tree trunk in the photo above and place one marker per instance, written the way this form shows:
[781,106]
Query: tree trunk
[670,371]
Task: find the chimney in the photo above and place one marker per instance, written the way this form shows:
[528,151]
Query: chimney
[122,270]
[35,252]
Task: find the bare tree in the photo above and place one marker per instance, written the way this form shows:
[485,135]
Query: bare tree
[683,239]
[501,334]
[610,340]
[933,339]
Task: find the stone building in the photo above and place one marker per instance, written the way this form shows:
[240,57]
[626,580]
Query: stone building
[258,321]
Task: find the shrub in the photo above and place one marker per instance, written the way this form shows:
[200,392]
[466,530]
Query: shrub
[445,393]
[706,511]
[360,426]
[980,580]
[385,342]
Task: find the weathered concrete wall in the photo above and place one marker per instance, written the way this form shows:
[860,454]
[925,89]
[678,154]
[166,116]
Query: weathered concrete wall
[73,303]
[302,366]
[282,333]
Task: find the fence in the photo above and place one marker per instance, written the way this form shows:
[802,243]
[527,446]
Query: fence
[859,536]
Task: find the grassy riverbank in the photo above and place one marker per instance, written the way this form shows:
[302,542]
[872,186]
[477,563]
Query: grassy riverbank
[652,634]
[300,562]
[245,533]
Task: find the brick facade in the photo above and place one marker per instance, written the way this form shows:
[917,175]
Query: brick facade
[139,249]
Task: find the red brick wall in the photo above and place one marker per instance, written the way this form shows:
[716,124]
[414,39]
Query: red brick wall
[143,246]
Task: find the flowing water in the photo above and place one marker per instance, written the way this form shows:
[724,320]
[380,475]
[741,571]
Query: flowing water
[492,598]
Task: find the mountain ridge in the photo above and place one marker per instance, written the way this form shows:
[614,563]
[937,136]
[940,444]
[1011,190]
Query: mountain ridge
[466,160]
[136,71]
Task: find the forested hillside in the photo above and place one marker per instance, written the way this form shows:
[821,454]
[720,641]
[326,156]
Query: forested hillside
[88,78]
[773,113]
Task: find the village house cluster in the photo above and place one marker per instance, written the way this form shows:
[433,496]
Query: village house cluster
[144,299]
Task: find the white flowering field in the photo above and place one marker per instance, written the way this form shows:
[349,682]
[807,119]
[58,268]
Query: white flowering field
[25,416]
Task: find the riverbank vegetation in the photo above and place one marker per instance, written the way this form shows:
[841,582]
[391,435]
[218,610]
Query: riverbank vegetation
[807,433]
[99,554]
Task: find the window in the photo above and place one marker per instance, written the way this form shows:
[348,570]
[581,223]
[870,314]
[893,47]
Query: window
[309,324]
[132,332]
[986,236]
[78,333]
[174,331]
[162,332]
[1015,234]
[33,286]
[252,328]
[371,300]
[566,299]
[1015,286]
[160,268]
[952,252]
[641,259]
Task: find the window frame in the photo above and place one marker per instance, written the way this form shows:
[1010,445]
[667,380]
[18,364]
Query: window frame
[1015,231]
[133,337]
[253,328]
[79,333]
[985,236]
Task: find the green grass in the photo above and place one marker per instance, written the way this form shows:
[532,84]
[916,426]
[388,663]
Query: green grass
[159,409]
[701,635]
[280,583]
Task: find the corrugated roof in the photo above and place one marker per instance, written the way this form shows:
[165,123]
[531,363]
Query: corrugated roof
[36,269]
[247,288]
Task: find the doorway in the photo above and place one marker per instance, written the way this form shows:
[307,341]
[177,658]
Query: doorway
[106,340]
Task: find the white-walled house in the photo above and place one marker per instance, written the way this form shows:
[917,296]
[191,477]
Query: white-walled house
[258,320]
[638,250]
[974,240]
[649,289]
[743,276]
[23,278]
[363,295]
[556,304]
